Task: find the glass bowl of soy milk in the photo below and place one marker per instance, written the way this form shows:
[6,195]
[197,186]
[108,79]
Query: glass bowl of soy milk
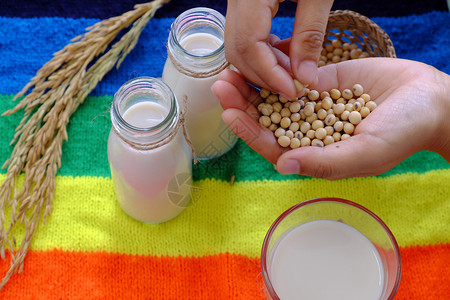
[330,248]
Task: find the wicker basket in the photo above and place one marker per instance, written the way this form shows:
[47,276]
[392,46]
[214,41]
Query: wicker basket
[352,27]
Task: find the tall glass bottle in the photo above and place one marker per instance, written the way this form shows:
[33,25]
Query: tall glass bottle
[150,161]
[196,56]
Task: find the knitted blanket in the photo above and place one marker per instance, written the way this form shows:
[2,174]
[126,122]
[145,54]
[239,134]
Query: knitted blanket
[90,249]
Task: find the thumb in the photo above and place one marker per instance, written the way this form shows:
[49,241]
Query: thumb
[360,155]
[311,20]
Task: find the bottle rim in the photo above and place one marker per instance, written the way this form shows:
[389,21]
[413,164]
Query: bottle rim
[144,135]
[198,14]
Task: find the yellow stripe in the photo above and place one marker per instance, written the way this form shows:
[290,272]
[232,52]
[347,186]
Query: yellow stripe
[224,218]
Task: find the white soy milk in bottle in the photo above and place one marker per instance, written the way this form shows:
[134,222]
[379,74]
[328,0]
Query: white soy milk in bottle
[149,158]
[195,58]
[326,259]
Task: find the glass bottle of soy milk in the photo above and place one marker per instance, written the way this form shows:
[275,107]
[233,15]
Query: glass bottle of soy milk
[149,158]
[196,56]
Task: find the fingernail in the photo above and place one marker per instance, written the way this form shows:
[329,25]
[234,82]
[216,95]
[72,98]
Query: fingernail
[288,166]
[307,71]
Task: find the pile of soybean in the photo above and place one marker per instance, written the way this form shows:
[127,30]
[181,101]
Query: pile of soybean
[338,51]
[316,119]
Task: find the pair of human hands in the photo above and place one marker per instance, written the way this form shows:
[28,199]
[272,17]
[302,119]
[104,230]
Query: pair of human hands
[411,115]
[412,98]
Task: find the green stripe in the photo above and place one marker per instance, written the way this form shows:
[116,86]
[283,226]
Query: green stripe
[85,152]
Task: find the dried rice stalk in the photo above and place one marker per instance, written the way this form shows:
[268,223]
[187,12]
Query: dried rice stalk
[57,90]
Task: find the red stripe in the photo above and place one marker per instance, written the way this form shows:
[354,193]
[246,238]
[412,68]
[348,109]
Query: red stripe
[70,275]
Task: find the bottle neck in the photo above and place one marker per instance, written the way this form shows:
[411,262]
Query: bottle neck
[144,91]
[195,41]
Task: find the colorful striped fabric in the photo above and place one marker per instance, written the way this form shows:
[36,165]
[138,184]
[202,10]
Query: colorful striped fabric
[90,249]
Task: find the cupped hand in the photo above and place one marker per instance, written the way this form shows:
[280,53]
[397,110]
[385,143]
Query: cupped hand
[411,115]
[263,58]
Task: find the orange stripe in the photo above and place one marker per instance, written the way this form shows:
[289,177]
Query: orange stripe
[425,273]
[80,275]
[77,275]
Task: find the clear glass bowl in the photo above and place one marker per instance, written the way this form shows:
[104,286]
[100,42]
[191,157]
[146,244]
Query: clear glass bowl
[345,211]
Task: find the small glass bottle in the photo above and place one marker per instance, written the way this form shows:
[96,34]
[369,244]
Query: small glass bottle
[150,161]
[196,56]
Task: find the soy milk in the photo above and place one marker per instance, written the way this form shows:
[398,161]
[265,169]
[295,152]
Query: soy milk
[145,114]
[196,56]
[152,181]
[325,260]
[201,43]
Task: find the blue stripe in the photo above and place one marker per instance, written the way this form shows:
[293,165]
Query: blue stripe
[40,37]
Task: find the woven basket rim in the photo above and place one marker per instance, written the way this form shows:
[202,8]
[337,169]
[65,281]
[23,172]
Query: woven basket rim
[369,27]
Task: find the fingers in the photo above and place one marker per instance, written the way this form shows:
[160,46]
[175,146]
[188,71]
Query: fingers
[282,45]
[238,100]
[306,43]
[361,155]
[258,138]
[233,91]
[247,48]
[282,60]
